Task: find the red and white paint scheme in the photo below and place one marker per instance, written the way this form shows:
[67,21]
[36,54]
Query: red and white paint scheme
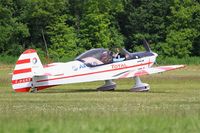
[94,65]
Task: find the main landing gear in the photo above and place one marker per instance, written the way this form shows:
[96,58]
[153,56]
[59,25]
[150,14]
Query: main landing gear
[108,86]
[139,86]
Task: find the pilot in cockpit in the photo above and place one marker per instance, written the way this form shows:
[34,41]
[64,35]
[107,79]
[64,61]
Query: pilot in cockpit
[106,57]
[118,55]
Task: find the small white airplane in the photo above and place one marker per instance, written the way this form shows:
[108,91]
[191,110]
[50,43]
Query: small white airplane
[29,75]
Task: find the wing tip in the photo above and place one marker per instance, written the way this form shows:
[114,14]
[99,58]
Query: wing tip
[181,66]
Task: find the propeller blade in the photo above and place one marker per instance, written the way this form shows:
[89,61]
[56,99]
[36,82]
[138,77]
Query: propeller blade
[146,45]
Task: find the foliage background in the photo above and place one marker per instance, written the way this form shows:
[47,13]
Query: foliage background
[172,27]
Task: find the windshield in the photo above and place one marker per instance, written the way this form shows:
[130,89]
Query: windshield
[95,57]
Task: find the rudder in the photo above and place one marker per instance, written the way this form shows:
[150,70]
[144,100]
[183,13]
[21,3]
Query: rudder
[26,67]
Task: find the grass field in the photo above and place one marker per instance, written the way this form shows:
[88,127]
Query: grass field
[172,105]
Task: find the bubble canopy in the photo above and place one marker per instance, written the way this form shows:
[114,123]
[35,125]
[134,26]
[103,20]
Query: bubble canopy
[101,56]
[95,57]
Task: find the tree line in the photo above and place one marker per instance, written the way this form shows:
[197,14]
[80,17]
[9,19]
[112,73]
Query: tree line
[69,27]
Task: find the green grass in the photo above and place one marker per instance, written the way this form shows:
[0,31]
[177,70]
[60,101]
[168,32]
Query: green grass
[172,105]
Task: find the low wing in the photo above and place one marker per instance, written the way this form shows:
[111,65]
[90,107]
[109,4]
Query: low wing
[148,71]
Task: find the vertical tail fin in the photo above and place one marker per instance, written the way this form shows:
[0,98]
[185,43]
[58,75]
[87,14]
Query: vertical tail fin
[26,67]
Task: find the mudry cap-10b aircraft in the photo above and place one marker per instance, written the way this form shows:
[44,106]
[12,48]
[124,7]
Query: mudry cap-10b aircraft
[29,75]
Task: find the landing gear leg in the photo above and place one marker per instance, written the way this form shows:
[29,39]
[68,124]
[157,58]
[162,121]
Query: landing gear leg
[108,86]
[139,86]
[33,88]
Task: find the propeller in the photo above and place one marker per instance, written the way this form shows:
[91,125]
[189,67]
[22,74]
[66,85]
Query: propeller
[146,45]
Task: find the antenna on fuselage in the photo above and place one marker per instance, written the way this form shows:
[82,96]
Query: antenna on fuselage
[146,45]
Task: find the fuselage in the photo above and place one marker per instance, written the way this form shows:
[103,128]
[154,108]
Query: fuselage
[77,71]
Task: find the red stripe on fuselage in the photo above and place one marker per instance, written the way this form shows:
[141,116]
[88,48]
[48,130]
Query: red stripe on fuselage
[23,61]
[20,71]
[94,72]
